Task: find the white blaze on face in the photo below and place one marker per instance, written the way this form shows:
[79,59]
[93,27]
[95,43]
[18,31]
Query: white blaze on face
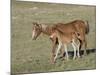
[33,33]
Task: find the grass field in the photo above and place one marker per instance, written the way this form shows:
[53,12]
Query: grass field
[28,56]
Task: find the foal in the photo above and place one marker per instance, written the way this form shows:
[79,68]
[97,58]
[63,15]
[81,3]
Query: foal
[64,39]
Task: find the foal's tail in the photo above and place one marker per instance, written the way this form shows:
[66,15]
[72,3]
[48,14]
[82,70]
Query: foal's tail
[87,27]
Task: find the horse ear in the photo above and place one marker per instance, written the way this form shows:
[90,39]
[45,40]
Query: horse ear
[38,24]
[35,23]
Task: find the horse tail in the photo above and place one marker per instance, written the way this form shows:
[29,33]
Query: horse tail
[87,27]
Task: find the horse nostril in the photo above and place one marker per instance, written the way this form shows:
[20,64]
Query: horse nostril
[33,38]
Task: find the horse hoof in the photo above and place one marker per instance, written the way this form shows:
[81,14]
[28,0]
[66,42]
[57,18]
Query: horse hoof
[53,62]
[74,58]
[79,56]
[85,54]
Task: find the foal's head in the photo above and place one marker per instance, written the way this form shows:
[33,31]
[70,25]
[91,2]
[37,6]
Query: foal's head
[36,30]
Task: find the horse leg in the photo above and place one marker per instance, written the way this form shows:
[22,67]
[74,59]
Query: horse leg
[84,43]
[62,52]
[59,47]
[85,46]
[55,43]
[53,52]
[78,48]
[65,46]
[73,44]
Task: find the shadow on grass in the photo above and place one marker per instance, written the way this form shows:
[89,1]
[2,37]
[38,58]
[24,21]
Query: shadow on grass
[71,53]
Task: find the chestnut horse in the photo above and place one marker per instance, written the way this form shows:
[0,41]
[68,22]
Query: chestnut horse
[77,26]
[48,30]
[66,38]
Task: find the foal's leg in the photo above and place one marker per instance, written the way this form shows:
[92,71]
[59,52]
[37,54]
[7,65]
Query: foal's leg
[59,47]
[74,50]
[65,46]
[78,49]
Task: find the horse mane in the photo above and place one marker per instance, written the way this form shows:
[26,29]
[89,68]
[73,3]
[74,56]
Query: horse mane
[46,29]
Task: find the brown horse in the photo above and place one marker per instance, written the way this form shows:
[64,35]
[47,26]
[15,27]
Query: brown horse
[78,26]
[48,30]
[42,28]
[64,39]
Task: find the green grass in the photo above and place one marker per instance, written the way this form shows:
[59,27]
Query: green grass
[28,56]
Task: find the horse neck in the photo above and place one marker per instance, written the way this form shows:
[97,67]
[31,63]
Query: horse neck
[46,29]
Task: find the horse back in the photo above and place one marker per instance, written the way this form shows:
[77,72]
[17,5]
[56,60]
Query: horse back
[77,25]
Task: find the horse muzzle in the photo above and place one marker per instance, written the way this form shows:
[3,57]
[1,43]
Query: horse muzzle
[33,38]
